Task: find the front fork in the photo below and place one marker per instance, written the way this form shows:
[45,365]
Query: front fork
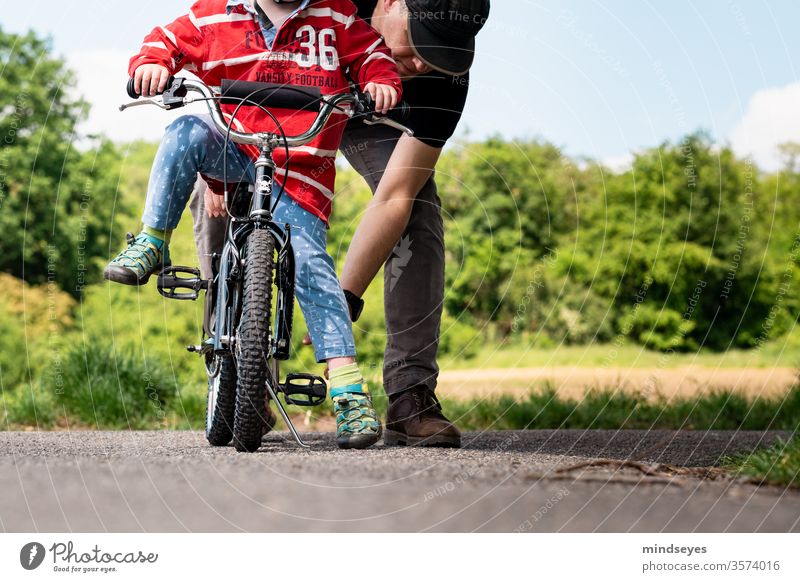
[230,263]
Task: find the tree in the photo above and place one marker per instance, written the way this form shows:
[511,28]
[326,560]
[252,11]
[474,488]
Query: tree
[790,152]
[505,204]
[56,201]
[672,244]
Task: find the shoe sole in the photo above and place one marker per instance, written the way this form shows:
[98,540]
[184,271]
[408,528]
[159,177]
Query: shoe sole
[392,438]
[117,276]
[358,441]
[127,277]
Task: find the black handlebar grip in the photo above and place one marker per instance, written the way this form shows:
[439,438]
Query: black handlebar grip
[131,93]
[399,113]
[270,95]
[134,95]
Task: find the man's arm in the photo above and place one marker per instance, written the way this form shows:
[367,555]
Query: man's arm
[388,212]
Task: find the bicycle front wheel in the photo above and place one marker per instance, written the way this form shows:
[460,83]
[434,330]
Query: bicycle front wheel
[220,407]
[253,341]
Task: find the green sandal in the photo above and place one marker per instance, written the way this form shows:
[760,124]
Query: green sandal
[144,256]
[357,424]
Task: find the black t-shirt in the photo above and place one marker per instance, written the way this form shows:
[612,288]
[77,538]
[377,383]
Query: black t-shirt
[436,100]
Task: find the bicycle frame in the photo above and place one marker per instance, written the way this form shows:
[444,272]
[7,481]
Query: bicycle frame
[237,231]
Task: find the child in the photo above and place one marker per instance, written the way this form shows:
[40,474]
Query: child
[309,42]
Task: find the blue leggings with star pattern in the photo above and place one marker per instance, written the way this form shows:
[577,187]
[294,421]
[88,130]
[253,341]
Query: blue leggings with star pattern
[192,145]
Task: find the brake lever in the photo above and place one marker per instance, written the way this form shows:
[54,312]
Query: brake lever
[172,98]
[375,120]
[365,108]
[155,102]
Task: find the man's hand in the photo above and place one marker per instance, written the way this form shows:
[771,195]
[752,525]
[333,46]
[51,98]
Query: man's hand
[385,97]
[149,80]
[214,203]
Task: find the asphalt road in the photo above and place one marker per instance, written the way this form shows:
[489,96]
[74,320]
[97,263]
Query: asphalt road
[500,481]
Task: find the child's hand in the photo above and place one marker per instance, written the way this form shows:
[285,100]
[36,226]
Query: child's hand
[149,80]
[385,97]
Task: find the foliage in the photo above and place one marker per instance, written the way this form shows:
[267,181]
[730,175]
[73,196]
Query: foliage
[56,201]
[685,250]
[505,205]
[34,325]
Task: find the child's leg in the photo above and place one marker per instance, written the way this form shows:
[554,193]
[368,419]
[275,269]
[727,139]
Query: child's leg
[190,145]
[325,310]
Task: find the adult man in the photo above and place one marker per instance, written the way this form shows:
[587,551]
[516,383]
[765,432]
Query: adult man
[432,42]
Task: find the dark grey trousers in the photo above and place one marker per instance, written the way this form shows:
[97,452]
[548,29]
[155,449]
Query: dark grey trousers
[413,276]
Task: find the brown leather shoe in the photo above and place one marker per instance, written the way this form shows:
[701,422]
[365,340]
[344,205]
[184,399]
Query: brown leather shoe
[415,419]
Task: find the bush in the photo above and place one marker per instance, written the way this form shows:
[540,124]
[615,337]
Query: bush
[107,387]
[458,339]
[34,321]
[658,328]
[29,406]
[13,368]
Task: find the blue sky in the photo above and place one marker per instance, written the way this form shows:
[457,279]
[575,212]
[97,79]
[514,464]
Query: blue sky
[600,79]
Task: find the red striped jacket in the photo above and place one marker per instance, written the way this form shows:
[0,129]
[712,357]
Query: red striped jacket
[314,47]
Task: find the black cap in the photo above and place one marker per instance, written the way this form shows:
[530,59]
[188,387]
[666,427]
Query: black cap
[442,32]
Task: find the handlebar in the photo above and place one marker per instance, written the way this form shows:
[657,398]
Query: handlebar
[269,95]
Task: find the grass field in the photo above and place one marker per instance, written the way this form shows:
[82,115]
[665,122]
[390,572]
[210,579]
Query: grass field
[651,383]
[124,406]
[778,354]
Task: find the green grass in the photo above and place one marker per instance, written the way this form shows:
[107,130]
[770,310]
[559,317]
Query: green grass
[104,386]
[98,385]
[514,355]
[776,465]
[610,409]
[112,390]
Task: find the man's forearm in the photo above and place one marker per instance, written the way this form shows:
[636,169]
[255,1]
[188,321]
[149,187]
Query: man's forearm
[377,234]
[387,214]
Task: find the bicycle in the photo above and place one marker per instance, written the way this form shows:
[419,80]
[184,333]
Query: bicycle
[240,347]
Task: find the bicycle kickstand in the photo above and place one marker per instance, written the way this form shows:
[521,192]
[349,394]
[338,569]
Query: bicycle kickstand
[282,410]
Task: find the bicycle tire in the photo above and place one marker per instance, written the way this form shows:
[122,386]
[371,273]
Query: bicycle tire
[221,403]
[252,344]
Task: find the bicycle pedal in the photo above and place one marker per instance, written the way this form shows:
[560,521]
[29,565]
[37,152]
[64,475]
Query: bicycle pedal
[304,390]
[173,284]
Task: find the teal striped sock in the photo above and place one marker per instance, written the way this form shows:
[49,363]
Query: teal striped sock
[347,379]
